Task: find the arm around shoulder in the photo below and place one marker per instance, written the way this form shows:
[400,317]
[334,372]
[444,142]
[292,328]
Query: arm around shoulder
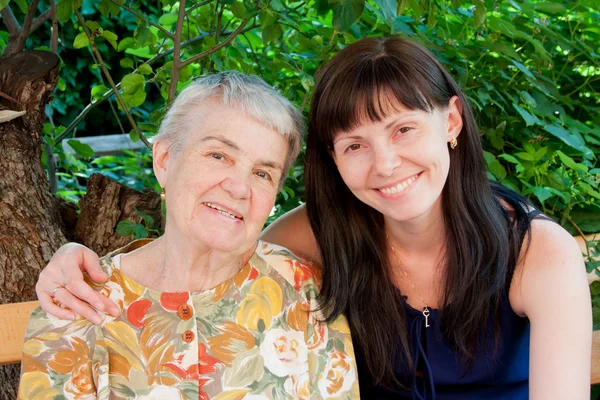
[550,288]
[293,231]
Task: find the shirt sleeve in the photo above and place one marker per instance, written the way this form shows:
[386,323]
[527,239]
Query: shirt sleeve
[61,358]
[331,361]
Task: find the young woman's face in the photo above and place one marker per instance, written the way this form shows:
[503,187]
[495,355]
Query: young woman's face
[399,166]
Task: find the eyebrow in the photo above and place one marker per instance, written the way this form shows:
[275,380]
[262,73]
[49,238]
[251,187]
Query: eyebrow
[229,143]
[221,139]
[270,164]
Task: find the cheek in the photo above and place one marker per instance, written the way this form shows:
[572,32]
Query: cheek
[262,204]
[354,171]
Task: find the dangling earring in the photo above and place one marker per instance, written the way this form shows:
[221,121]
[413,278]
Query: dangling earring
[163,195]
[453,143]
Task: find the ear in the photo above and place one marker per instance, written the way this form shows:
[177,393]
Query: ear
[454,121]
[160,160]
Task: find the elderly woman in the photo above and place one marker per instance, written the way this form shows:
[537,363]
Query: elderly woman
[207,309]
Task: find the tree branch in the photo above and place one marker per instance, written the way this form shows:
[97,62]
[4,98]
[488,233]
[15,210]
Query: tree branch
[111,91]
[39,21]
[138,15]
[217,47]
[10,21]
[27,25]
[177,65]
[110,81]
[54,40]
[203,3]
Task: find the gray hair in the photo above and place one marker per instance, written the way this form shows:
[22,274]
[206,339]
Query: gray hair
[234,89]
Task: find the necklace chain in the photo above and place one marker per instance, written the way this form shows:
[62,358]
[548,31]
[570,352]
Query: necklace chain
[426,311]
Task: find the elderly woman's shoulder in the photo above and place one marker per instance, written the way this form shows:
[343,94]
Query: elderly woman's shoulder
[296,270]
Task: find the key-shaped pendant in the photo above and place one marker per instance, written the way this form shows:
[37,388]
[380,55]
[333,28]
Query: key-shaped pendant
[426,315]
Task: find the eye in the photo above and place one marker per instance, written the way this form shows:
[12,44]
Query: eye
[403,130]
[263,175]
[353,147]
[217,156]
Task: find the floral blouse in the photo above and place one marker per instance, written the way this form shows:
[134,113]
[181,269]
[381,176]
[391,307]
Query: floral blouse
[254,336]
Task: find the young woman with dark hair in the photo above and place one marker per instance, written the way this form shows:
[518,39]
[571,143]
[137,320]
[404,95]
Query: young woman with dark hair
[454,286]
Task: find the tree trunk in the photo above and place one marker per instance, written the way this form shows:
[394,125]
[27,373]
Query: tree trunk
[105,204]
[30,225]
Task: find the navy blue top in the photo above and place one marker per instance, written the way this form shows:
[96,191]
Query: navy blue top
[503,374]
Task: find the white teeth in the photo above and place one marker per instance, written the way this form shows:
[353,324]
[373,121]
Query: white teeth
[399,187]
[221,211]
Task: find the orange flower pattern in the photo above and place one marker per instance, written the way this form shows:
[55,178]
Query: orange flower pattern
[254,336]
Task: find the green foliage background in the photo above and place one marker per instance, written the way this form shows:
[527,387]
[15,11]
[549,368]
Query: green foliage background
[531,70]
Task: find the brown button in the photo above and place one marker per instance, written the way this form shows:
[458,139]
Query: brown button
[188,336]
[184,311]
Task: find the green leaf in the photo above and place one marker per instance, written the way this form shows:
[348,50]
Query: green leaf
[588,222]
[143,35]
[145,69]
[388,8]
[589,190]
[525,156]
[541,193]
[80,41]
[271,33]
[108,8]
[98,92]
[498,169]
[111,38]
[345,13]
[133,87]
[3,3]
[523,69]
[569,162]
[134,136]
[81,149]
[238,9]
[479,12]
[64,10]
[22,5]
[565,136]
[528,118]
[127,43]
[402,4]
[168,20]
[93,25]
[128,228]
[509,158]
[432,19]
[126,62]
[550,8]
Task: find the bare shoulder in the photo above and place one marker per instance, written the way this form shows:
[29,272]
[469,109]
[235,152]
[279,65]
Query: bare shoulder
[550,263]
[293,231]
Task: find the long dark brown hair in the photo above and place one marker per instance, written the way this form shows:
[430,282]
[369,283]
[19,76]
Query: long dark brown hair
[483,239]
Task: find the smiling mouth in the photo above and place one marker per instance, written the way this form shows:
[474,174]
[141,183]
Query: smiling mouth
[223,211]
[400,187]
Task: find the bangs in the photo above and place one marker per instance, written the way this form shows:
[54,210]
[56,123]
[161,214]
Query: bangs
[370,89]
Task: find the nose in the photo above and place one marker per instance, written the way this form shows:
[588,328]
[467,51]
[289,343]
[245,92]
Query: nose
[237,186]
[387,160]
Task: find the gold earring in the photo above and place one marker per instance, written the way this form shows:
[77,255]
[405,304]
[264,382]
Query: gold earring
[163,195]
[453,143]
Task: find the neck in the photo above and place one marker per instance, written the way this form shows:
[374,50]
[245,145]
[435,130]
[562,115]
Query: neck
[173,263]
[422,237]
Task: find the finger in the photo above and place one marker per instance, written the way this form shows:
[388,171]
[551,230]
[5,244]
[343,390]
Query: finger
[79,288]
[68,300]
[47,304]
[90,263]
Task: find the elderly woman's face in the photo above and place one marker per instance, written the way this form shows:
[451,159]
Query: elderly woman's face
[221,186]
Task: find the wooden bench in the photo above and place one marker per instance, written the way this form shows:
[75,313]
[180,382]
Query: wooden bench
[14,319]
